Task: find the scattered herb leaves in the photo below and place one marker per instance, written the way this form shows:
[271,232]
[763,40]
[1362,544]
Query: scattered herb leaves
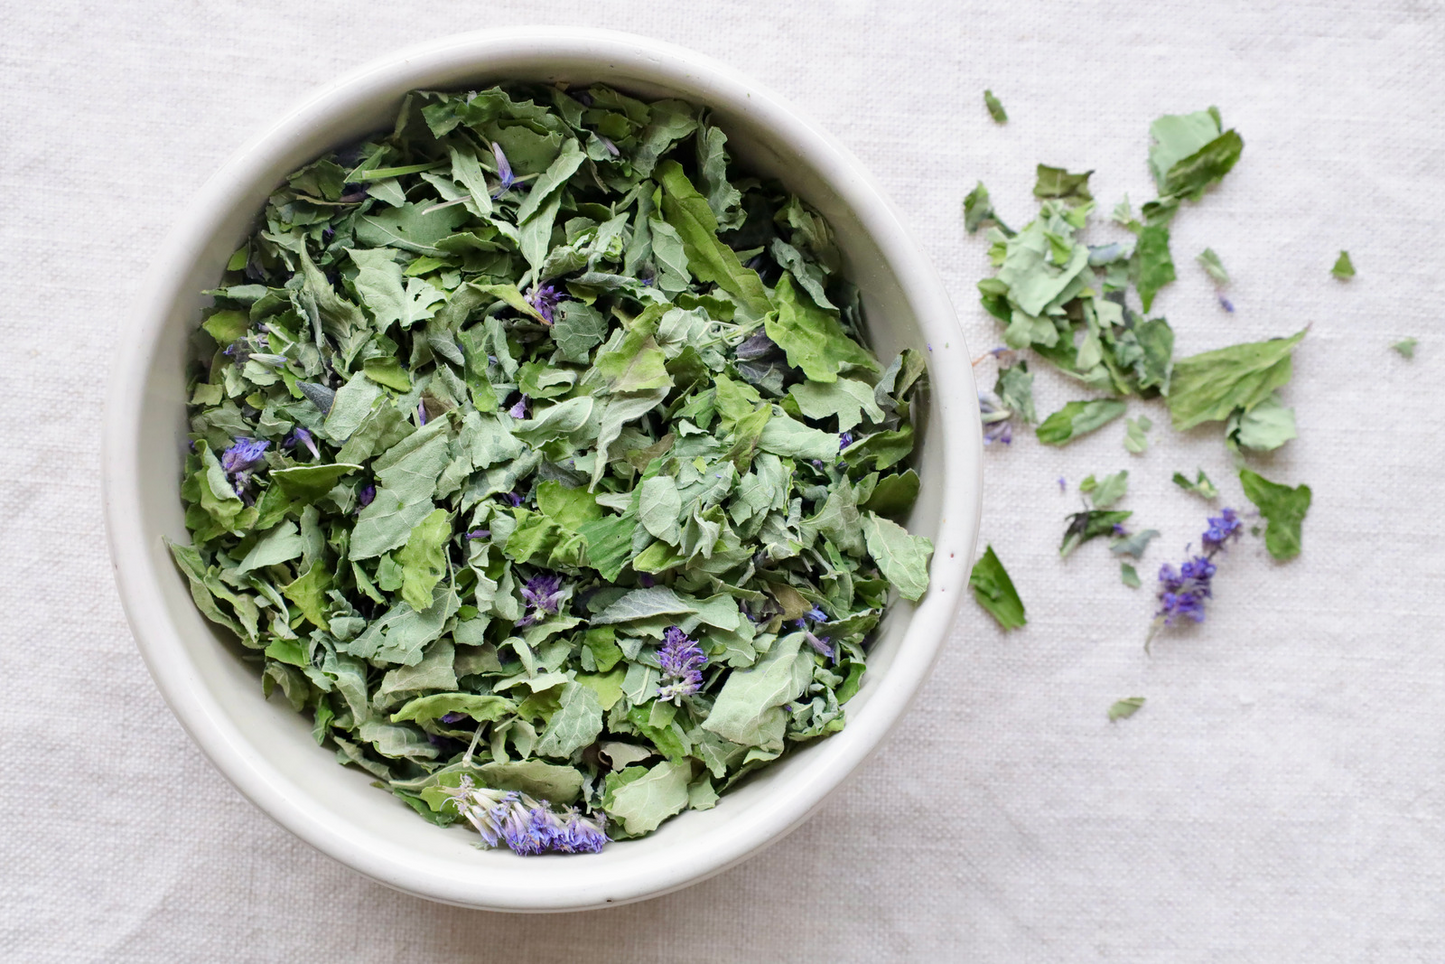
[1406,347]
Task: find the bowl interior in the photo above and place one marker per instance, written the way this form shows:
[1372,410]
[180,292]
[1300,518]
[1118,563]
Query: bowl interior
[266,748]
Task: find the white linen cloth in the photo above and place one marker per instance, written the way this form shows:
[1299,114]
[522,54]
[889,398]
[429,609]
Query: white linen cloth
[1279,797]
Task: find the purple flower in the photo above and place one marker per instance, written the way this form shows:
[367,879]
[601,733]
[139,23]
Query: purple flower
[299,436]
[821,645]
[845,439]
[996,416]
[514,497]
[645,580]
[480,534]
[453,717]
[421,413]
[238,461]
[682,661]
[756,346]
[504,171]
[581,835]
[519,410]
[1221,529]
[1063,486]
[366,495]
[543,596]
[1182,592]
[545,298]
[244,455]
[817,615]
[1226,304]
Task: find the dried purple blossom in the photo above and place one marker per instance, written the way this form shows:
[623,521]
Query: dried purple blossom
[1226,304]
[817,615]
[526,825]
[611,147]
[545,298]
[756,346]
[300,436]
[519,410]
[366,495]
[845,439]
[682,661]
[515,498]
[420,413]
[1063,486]
[1221,529]
[543,595]
[821,645]
[996,416]
[645,580]
[1182,592]
[240,459]
[504,171]
[480,534]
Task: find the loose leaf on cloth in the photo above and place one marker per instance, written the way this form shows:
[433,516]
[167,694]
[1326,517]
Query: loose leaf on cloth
[1344,268]
[1126,708]
[1090,524]
[1106,491]
[995,592]
[1283,508]
[1078,418]
[1210,386]
[1201,486]
[995,108]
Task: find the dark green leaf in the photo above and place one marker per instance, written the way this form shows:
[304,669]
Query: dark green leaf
[994,591]
[1078,418]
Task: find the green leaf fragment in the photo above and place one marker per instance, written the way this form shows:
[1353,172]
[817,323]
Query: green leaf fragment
[995,592]
[1126,708]
[1078,418]
[1344,268]
[1283,508]
[995,108]
[1201,486]
[1213,266]
[1128,575]
[1055,182]
[901,556]
[1406,347]
[1210,386]
[1105,492]
[1134,438]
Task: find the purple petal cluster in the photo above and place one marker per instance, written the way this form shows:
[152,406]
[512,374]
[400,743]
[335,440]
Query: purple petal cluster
[1222,528]
[505,176]
[545,298]
[997,424]
[300,436]
[519,410]
[366,495]
[543,596]
[682,661]
[241,459]
[525,825]
[1182,593]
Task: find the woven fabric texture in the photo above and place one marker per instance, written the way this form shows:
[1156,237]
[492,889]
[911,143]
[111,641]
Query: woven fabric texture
[1278,798]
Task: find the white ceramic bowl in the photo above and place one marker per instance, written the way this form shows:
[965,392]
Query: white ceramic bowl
[266,749]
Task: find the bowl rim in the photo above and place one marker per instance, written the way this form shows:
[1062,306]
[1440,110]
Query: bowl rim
[163,646]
